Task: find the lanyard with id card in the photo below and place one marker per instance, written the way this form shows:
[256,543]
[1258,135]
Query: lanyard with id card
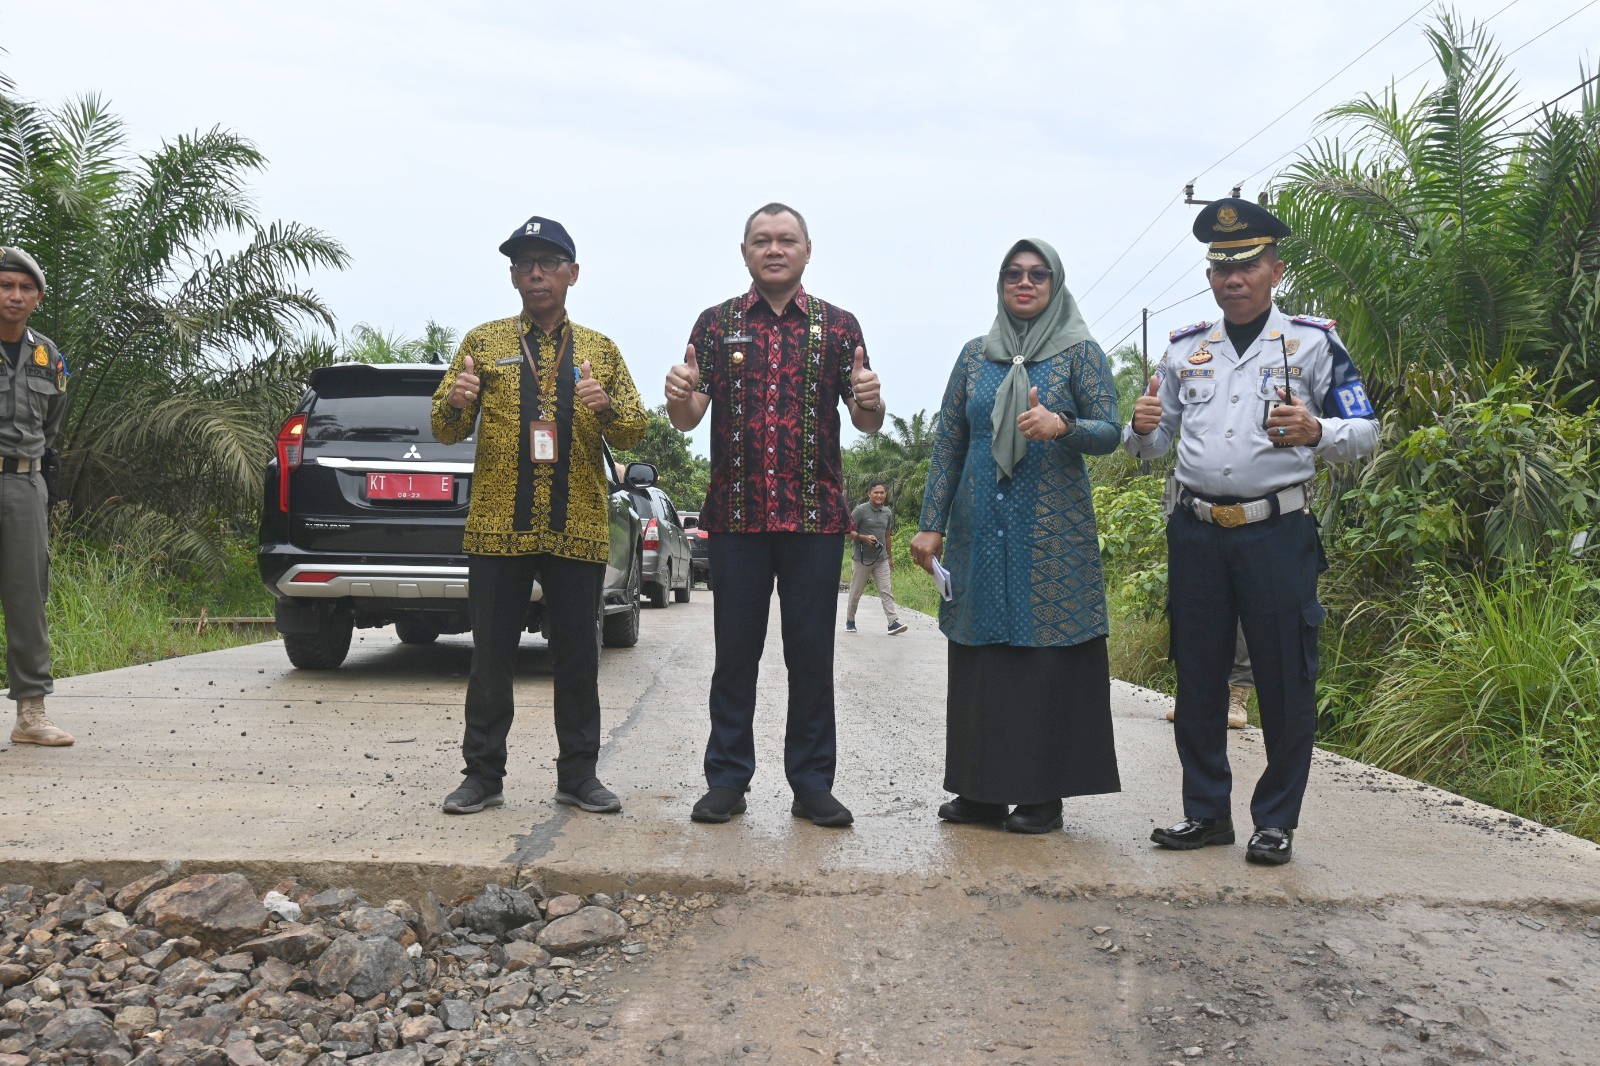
[543,437]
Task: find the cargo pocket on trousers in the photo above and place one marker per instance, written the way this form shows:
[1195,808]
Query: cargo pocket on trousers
[1311,616]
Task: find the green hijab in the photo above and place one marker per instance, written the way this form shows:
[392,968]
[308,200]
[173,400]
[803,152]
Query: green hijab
[1020,341]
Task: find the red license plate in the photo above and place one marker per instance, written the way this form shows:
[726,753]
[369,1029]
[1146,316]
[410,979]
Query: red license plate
[411,486]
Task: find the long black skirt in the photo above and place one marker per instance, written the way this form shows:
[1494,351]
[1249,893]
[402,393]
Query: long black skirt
[1029,725]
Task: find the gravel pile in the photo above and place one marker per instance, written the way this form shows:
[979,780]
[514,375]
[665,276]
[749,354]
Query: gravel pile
[206,971]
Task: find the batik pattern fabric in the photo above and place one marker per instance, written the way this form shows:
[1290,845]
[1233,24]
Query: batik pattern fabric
[775,382]
[519,507]
[1023,552]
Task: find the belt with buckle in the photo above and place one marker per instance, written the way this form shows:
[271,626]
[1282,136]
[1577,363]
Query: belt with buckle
[10,465]
[1231,515]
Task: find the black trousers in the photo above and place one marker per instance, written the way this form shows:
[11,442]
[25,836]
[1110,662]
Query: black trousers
[498,605]
[806,569]
[1262,577]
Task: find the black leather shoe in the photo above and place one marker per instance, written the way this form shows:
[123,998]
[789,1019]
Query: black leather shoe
[1273,847]
[591,795]
[718,805]
[1194,833]
[822,809]
[1035,817]
[973,812]
[472,797]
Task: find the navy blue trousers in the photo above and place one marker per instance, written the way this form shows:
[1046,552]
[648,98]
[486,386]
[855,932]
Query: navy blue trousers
[805,567]
[1262,577]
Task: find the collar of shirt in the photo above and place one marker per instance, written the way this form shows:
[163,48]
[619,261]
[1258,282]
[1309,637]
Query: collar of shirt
[528,326]
[800,302]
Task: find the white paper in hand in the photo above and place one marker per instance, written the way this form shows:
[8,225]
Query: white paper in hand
[941,578]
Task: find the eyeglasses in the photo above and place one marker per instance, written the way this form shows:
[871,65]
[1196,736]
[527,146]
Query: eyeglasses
[1014,275]
[549,264]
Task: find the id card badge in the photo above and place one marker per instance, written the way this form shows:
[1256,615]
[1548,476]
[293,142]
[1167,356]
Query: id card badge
[542,442]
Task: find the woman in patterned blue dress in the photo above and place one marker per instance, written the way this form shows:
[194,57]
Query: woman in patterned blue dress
[1028,715]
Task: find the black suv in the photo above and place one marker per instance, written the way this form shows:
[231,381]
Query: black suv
[363,514]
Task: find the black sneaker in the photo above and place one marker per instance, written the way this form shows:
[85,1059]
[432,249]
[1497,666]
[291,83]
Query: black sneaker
[897,627]
[591,795]
[472,797]
[822,809]
[1192,833]
[1272,847]
[718,805]
[849,626]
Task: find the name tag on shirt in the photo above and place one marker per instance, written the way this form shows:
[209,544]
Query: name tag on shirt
[542,442]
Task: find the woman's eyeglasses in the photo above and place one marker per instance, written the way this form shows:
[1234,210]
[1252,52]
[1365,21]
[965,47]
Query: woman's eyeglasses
[1014,275]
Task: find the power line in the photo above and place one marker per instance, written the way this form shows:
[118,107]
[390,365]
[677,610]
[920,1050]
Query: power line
[1569,18]
[1131,245]
[1187,273]
[1136,284]
[1157,311]
[1405,22]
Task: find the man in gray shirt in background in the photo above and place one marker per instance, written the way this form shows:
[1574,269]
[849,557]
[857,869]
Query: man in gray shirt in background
[873,557]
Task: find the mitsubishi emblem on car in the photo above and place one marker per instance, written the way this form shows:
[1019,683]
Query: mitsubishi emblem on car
[412,453]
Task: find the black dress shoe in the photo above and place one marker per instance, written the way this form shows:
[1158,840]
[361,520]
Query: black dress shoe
[590,796]
[1273,847]
[718,805]
[822,809]
[1194,833]
[1035,817]
[973,812]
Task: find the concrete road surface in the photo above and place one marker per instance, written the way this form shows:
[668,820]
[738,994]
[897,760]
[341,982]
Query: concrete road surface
[235,758]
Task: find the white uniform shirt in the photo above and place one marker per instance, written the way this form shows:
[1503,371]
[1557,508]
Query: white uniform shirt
[1219,397]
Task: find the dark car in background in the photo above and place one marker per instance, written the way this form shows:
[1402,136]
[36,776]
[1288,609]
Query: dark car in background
[363,515]
[668,560]
[699,549]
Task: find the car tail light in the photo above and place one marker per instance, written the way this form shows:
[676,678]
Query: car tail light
[314,577]
[291,443]
[652,535]
[702,534]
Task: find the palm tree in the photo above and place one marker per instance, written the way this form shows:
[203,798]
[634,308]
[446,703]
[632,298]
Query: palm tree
[898,458]
[183,356]
[1455,238]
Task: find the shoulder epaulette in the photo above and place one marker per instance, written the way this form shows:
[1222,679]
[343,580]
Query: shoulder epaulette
[1186,331]
[1324,324]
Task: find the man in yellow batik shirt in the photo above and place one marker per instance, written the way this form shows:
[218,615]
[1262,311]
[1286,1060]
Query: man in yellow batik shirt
[543,392]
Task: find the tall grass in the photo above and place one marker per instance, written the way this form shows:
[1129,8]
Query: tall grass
[1493,690]
[111,607]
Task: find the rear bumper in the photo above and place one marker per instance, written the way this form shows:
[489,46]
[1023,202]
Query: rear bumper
[380,581]
[392,587]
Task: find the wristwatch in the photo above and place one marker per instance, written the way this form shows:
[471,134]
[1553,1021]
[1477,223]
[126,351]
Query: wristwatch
[1069,422]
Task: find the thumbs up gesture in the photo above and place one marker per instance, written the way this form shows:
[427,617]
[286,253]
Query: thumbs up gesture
[1147,408]
[683,379]
[590,391]
[465,391]
[864,383]
[1040,423]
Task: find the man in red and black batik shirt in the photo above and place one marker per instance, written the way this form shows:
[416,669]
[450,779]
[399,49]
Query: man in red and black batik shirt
[773,365]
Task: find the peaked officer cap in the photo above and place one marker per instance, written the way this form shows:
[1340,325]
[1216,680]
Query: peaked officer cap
[1236,231]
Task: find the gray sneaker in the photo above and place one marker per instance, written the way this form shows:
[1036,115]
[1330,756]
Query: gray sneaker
[590,796]
[472,797]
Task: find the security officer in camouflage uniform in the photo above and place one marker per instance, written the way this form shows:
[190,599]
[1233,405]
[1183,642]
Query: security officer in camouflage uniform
[1258,396]
[33,399]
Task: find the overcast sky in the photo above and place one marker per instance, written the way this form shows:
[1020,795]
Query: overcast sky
[919,139]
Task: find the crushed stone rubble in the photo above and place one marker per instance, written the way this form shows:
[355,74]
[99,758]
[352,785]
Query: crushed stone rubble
[204,970]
